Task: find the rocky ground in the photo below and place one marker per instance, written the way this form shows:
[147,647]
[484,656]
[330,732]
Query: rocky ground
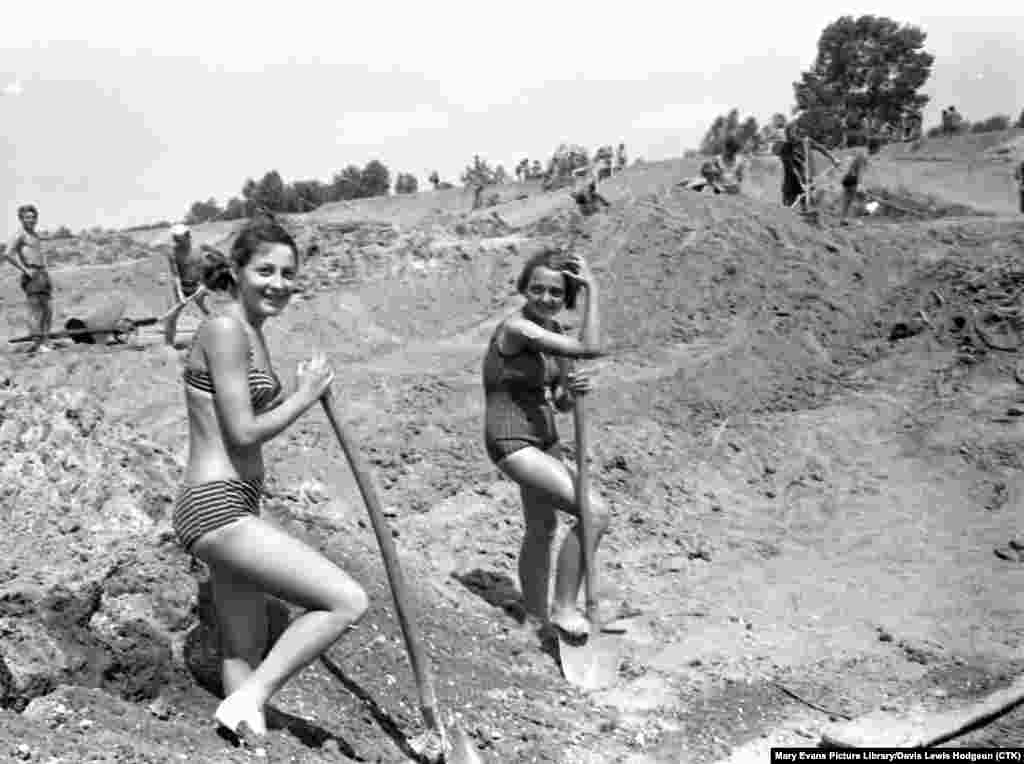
[809,437]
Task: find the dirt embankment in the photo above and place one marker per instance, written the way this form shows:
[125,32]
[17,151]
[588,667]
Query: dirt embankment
[789,478]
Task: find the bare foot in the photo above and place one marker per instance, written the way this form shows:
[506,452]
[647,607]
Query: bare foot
[239,709]
[570,622]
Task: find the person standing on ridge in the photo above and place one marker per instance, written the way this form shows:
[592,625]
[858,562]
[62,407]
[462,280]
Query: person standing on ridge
[25,252]
[798,164]
[851,181]
[186,267]
[1018,175]
[235,404]
[527,374]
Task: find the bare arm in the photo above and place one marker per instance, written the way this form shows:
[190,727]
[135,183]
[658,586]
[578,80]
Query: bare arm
[13,254]
[824,152]
[172,264]
[522,332]
[227,356]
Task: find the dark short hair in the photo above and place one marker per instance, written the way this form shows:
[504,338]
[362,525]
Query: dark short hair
[549,257]
[24,209]
[217,268]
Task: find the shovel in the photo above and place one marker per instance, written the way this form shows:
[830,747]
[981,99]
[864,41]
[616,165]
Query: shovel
[454,750]
[592,662]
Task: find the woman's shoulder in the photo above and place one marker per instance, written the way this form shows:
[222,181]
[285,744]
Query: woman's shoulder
[222,332]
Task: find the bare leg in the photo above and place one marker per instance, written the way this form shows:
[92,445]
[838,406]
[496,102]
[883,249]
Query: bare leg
[552,481]
[171,325]
[242,617]
[535,552]
[46,319]
[35,322]
[266,558]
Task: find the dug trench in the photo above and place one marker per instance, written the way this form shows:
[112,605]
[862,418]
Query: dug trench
[806,504]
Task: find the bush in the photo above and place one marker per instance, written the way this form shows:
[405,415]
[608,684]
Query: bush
[993,124]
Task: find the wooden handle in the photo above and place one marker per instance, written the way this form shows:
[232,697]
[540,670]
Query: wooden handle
[399,591]
[587,536]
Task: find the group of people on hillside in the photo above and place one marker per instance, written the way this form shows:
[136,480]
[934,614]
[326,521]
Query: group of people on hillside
[236,402]
[25,252]
[724,173]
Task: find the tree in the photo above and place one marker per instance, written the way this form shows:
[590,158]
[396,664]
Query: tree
[1020,120]
[270,193]
[726,125]
[567,158]
[346,184]
[477,173]
[235,209]
[869,65]
[500,174]
[202,212]
[406,183]
[993,124]
[375,179]
[309,194]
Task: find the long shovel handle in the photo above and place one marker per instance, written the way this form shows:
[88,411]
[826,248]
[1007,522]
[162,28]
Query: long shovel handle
[178,306]
[399,591]
[583,500]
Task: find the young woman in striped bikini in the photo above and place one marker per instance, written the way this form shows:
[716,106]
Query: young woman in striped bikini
[526,369]
[235,404]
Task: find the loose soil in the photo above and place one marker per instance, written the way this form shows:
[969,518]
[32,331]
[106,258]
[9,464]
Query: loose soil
[806,497]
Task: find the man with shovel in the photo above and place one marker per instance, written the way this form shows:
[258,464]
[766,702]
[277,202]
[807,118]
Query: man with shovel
[26,254]
[186,267]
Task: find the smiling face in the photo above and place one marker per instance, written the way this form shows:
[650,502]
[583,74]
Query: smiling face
[29,219]
[265,284]
[545,293]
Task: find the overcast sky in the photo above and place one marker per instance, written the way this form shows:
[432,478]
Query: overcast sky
[123,113]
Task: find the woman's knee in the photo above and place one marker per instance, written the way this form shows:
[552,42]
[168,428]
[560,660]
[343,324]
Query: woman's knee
[349,600]
[600,513]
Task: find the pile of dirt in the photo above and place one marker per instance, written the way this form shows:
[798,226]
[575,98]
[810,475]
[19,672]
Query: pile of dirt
[901,203]
[90,494]
[96,249]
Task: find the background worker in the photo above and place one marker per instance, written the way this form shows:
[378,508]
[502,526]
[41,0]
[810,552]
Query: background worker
[851,181]
[1018,175]
[186,265]
[724,173]
[25,252]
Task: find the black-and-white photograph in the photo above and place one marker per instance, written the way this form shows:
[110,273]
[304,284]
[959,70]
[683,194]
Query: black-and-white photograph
[555,383]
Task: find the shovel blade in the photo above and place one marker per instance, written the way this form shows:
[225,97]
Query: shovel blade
[462,750]
[591,664]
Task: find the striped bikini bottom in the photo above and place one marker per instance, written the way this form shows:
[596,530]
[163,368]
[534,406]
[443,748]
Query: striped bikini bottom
[205,507]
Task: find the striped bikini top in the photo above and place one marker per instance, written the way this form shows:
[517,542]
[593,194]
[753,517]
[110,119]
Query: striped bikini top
[264,386]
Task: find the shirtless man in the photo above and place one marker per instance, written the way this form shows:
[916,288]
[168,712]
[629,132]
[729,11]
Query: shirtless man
[25,253]
[186,274]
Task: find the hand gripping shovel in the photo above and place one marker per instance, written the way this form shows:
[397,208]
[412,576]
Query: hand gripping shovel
[454,750]
[590,663]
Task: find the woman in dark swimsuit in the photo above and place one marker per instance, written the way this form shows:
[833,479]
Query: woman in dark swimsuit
[528,362]
[235,404]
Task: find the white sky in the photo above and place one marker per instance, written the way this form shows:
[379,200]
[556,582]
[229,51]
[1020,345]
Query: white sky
[122,113]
